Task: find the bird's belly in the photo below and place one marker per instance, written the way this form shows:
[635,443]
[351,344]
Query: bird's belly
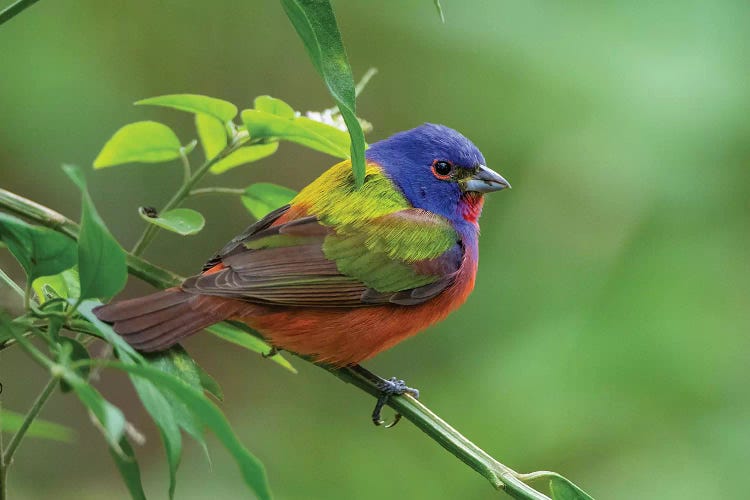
[346,336]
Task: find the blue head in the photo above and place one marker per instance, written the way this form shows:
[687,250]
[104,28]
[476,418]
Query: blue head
[438,170]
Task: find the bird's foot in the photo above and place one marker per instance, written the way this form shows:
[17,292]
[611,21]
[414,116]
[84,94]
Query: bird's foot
[388,388]
[271,353]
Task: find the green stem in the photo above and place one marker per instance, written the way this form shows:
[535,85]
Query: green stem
[185,165]
[30,416]
[499,475]
[365,80]
[184,191]
[12,284]
[15,9]
[217,190]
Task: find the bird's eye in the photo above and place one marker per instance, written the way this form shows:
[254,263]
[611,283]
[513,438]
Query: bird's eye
[442,169]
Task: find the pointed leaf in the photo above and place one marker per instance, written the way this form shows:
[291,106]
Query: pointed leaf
[64,285]
[40,250]
[212,134]
[210,415]
[177,363]
[11,421]
[184,221]
[156,404]
[244,155]
[194,103]
[101,261]
[262,198]
[262,125]
[274,106]
[147,142]
[239,334]
[75,351]
[110,418]
[127,464]
[563,489]
[316,25]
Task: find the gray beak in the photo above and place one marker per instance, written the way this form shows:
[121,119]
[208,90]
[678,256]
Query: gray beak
[485,180]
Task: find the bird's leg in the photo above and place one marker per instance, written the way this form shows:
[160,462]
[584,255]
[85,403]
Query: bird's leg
[272,352]
[387,388]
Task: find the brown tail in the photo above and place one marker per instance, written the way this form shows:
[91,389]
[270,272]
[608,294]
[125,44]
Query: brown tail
[160,320]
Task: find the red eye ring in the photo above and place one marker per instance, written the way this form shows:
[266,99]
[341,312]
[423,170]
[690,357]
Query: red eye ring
[442,169]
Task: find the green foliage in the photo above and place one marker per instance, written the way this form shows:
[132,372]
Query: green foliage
[562,489]
[263,197]
[275,106]
[127,465]
[241,335]
[309,133]
[211,133]
[209,415]
[39,250]
[11,421]
[316,25]
[184,221]
[193,103]
[101,261]
[147,142]
[248,154]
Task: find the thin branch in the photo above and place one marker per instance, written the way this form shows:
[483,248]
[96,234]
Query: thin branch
[499,475]
[184,191]
[30,416]
[15,9]
[217,190]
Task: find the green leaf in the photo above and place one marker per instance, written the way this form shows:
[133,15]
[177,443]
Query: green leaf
[194,103]
[212,134]
[156,404]
[315,23]
[110,418]
[262,198]
[244,155]
[211,416]
[261,125]
[64,285]
[147,142]
[184,221]
[562,489]
[39,250]
[274,106]
[177,363]
[239,334]
[74,351]
[210,384]
[11,421]
[101,260]
[127,464]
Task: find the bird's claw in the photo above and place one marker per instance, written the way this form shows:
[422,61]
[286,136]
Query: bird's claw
[271,353]
[388,388]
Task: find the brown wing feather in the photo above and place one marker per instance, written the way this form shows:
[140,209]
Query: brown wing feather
[284,264]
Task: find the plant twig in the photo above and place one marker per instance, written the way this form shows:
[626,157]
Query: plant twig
[217,190]
[30,416]
[499,475]
[15,9]
[184,190]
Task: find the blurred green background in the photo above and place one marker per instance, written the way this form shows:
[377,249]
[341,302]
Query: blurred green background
[607,338]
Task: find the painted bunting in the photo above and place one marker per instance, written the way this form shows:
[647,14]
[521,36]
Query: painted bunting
[341,273]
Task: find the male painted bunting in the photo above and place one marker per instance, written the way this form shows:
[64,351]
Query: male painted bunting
[341,273]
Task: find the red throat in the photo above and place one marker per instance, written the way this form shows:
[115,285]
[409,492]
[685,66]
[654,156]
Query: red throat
[471,206]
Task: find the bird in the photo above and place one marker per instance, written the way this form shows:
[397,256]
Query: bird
[343,272]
